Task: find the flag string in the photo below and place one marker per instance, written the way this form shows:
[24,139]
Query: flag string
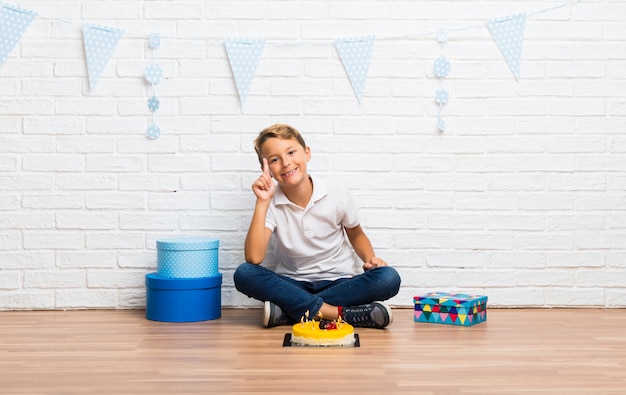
[379,37]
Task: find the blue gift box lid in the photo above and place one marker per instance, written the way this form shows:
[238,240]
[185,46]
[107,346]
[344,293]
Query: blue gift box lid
[153,280]
[187,243]
[449,299]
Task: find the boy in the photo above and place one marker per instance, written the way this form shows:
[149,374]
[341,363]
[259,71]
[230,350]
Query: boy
[317,228]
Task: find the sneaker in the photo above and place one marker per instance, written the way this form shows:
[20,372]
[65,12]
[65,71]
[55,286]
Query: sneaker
[371,315]
[274,316]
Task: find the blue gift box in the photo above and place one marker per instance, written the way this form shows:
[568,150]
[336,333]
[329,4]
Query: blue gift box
[183,299]
[187,257]
[450,308]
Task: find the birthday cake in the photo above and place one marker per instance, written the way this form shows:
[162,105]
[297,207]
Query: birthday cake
[323,333]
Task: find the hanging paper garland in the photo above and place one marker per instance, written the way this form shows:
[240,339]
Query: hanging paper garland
[100,42]
[244,55]
[441,69]
[508,33]
[355,54]
[13,23]
[153,75]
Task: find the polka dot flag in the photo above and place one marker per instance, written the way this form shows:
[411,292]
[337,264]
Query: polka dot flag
[355,53]
[100,42]
[13,23]
[244,55]
[508,33]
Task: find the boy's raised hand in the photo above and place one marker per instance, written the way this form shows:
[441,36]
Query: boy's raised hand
[263,187]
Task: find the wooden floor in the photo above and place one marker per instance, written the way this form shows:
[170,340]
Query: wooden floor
[528,351]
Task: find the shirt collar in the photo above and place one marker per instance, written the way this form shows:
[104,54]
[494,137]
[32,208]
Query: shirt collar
[320,189]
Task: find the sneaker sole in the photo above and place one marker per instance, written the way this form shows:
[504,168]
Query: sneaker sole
[389,313]
[267,312]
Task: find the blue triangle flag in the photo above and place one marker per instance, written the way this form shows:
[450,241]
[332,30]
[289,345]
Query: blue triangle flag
[508,33]
[100,42]
[244,55]
[13,23]
[355,54]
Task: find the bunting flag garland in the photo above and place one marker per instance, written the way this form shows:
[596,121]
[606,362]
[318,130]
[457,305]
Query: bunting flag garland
[355,54]
[244,55]
[508,33]
[13,23]
[100,42]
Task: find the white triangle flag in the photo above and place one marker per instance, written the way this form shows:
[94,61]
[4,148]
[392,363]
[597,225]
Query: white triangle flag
[100,42]
[13,23]
[355,54]
[244,55]
[508,33]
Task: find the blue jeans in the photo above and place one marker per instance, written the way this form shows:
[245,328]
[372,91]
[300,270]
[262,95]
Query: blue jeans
[296,297]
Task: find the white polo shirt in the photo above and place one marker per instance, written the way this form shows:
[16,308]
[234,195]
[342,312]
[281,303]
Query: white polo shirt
[310,242]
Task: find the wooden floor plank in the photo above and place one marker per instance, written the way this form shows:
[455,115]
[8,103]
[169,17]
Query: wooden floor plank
[537,351]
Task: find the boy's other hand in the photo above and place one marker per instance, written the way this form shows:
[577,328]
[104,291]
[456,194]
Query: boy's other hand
[374,263]
[263,187]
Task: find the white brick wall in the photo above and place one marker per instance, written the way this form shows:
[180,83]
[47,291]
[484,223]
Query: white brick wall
[523,198]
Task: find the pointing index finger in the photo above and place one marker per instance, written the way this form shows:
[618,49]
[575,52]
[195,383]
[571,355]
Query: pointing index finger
[266,167]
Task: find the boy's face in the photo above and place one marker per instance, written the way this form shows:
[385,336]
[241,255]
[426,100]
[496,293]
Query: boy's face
[287,160]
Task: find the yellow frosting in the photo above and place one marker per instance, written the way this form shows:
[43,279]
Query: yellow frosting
[309,333]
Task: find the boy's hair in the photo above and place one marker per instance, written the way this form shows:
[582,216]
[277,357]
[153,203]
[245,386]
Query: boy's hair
[280,131]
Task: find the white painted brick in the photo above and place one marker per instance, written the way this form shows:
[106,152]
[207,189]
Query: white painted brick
[56,201]
[8,163]
[517,259]
[137,259]
[179,201]
[615,297]
[53,162]
[573,222]
[515,182]
[85,259]
[117,240]
[9,202]
[457,259]
[115,279]
[148,221]
[575,259]
[86,299]
[26,221]
[537,278]
[86,220]
[455,221]
[27,260]
[525,188]
[24,144]
[538,162]
[575,182]
[575,297]
[600,278]
[27,300]
[210,222]
[55,279]
[545,201]
[114,163]
[112,10]
[149,182]
[53,240]
[10,280]
[84,145]
[57,125]
[84,182]
[111,200]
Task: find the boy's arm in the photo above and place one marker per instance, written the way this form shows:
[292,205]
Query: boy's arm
[363,248]
[258,235]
